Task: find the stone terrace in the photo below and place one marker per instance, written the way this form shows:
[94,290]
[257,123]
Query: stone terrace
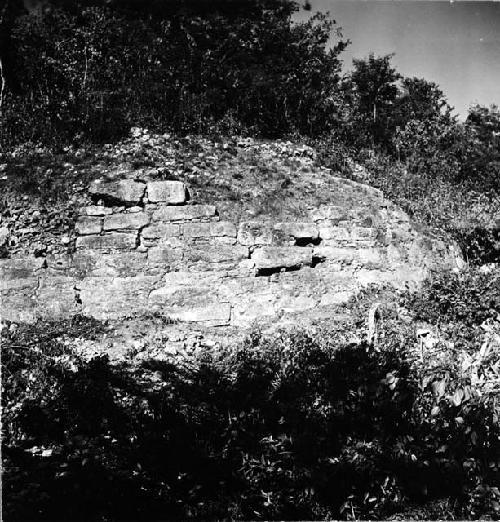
[144,247]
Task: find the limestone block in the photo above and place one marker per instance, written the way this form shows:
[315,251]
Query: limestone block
[186,213]
[118,264]
[161,230]
[133,221]
[252,307]
[214,314]
[192,230]
[59,262]
[88,225]
[164,255]
[223,229]
[179,295]
[125,191]
[97,210]
[334,232]
[18,306]
[57,297]
[108,242]
[291,304]
[170,192]
[331,212]
[363,233]
[333,253]
[115,297]
[298,230]
[23,284]
[282,257]
[4,235]
[255,233]
[214,254]
[19,268]
[337,297]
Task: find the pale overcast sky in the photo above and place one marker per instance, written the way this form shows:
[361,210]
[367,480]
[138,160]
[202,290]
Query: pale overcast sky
[455,44]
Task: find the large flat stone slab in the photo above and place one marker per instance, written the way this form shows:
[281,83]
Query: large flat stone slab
[115,297]
[298,230]
[281,257]
[57,297]
[186,213]
[108,242]
[252,233]
[213,314]
[124,191]
[170,192]
[19,268]
[87,225]
[124,221]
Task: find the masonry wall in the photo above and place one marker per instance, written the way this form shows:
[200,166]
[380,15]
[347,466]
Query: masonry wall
[144,247]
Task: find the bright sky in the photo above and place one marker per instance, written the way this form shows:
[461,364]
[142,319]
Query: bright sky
[455,44]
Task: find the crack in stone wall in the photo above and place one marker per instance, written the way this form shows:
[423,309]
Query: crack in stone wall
[142,247]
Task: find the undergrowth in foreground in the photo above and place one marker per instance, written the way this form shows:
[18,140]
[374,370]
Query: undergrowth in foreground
[295,427]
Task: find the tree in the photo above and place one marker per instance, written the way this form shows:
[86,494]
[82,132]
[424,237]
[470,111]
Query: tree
[419,99]
[373,84]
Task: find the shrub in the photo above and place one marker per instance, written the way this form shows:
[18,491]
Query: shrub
[90,73]
[291,427]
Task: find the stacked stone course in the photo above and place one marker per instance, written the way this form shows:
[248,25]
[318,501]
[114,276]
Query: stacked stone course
[145,247]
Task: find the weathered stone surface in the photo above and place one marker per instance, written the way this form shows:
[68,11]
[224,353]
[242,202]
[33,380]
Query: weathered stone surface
[364,233]
[330,212]
[20,268]
[253,307]
[298,230]
[281,257]
[19,305]
[214,314]
[334,232]
[165,255]
[188,265]
[123,221]
[213,254]
[255,233]
[161,230]
[108,242]
[196,230]
[88,225]
[170,192]
[4,235]
[116,264]
[98,210]
[179,296]
[184,213]
[28,284]
[125,191]
[337,297]
[290,304]
[223,229]
[114,297]
[349,254]
[57,297]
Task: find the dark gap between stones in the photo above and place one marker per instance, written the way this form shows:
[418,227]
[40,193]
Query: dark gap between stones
[307,241]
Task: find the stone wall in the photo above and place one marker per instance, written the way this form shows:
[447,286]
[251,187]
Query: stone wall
[144,247]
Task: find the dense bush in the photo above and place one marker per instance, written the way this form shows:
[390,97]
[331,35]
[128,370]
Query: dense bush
[93,72]
[296,427]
